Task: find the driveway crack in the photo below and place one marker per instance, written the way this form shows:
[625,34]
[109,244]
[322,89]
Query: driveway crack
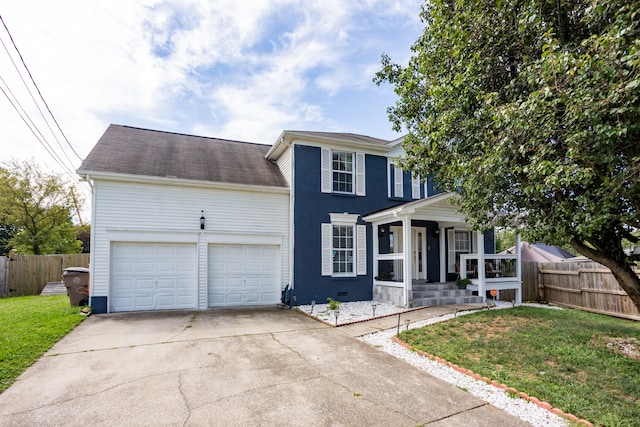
[184,397]
[457,413]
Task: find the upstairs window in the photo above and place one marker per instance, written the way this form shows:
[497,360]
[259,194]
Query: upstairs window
[342,172]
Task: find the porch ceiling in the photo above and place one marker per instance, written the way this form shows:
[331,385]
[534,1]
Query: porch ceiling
[437,208]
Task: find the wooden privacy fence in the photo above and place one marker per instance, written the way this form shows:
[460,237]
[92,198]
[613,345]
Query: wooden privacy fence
[28,274]
[587,286]
[4,275]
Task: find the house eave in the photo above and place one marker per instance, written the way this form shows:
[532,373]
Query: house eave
[157,180]
[288,138]
[413,208]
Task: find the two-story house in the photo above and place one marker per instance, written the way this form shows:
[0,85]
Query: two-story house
[189,222]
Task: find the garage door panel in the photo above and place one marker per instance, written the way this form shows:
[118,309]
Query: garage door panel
[144,267]
[253,282]
[148,276]
[234,298]
[234,267]
[270,282]
[270,252]
[143,284]
[243,275]
[166,267]
[250,252]
[143,251]
[166,284]
[232,282]
[268,267]
[253,267]
[235,251]
[253,298]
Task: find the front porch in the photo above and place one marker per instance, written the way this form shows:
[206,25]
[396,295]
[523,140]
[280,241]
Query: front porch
[421,248]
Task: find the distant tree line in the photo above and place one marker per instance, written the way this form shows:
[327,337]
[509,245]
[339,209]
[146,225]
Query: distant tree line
[36,212]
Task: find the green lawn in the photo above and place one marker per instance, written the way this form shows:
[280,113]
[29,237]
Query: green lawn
[29,326]
[569,358]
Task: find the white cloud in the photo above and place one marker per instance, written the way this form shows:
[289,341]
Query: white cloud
[227,68]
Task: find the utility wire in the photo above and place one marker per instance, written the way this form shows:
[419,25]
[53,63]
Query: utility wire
[34,100]
[44,143]
[40,94]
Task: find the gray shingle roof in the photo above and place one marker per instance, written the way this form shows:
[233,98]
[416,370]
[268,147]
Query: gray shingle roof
[143,152]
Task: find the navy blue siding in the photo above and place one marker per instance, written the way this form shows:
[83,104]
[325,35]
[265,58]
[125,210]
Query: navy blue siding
[312,208]
[98,304]
[432,187]
[489,242]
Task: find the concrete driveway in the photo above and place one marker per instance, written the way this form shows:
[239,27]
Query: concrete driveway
[230,367]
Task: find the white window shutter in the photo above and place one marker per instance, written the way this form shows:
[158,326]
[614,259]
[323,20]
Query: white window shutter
[362,250]
[451,249]
[326,250]
[361,184]
[415,187]
[327,179]
[389,179]
[473,247]
[397,180]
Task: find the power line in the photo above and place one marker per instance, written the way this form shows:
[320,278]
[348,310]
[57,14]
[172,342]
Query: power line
[38,89]
[51,151]
[43,141]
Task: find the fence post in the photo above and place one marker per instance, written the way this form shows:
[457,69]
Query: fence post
[540,280]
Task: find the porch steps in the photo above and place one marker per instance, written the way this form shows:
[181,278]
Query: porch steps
[430,294]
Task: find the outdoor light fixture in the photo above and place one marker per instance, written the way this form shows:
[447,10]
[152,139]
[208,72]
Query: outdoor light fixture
[406,322]
[373,308]
[313,304]
[202,220]
[336,313]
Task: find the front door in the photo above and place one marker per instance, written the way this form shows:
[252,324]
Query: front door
[419,252]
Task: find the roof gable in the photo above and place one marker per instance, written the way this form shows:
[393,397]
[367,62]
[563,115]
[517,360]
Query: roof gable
[328,139]
[142,152]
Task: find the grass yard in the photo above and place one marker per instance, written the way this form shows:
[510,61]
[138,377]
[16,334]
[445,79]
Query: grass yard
[584,363]
[29,326]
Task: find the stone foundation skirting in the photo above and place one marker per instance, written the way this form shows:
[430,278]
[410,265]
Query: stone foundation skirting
[389,294]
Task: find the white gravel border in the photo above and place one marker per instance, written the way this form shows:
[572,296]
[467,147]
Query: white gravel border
[358,311]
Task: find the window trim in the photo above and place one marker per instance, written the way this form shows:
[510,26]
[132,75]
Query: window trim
[352,250]
[359,250]
[358,172]
[351,172]
[451,246]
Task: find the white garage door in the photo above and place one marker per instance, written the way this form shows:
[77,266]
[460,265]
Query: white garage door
[150,276]
[243,275]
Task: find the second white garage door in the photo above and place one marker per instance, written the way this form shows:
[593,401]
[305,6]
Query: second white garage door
[243,275]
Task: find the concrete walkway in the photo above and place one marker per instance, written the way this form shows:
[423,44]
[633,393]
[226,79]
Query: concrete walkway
[231,367]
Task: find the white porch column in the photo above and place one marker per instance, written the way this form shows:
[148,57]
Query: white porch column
[406,260]
[376,252]
[481,268]
[518,270]
[443,254]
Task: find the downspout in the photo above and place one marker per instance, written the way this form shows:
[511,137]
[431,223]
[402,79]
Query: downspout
[87,179]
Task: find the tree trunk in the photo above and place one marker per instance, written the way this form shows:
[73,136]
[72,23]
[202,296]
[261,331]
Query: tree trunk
[621,270]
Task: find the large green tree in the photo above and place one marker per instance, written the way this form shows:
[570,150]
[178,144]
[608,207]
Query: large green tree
[38,206]
[530,111]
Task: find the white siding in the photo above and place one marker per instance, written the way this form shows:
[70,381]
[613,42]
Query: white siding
[285,165]
[162,213]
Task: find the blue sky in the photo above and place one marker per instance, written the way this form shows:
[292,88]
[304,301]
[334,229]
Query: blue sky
[232,69]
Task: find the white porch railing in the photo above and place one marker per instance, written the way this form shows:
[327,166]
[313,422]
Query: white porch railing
[499,272]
